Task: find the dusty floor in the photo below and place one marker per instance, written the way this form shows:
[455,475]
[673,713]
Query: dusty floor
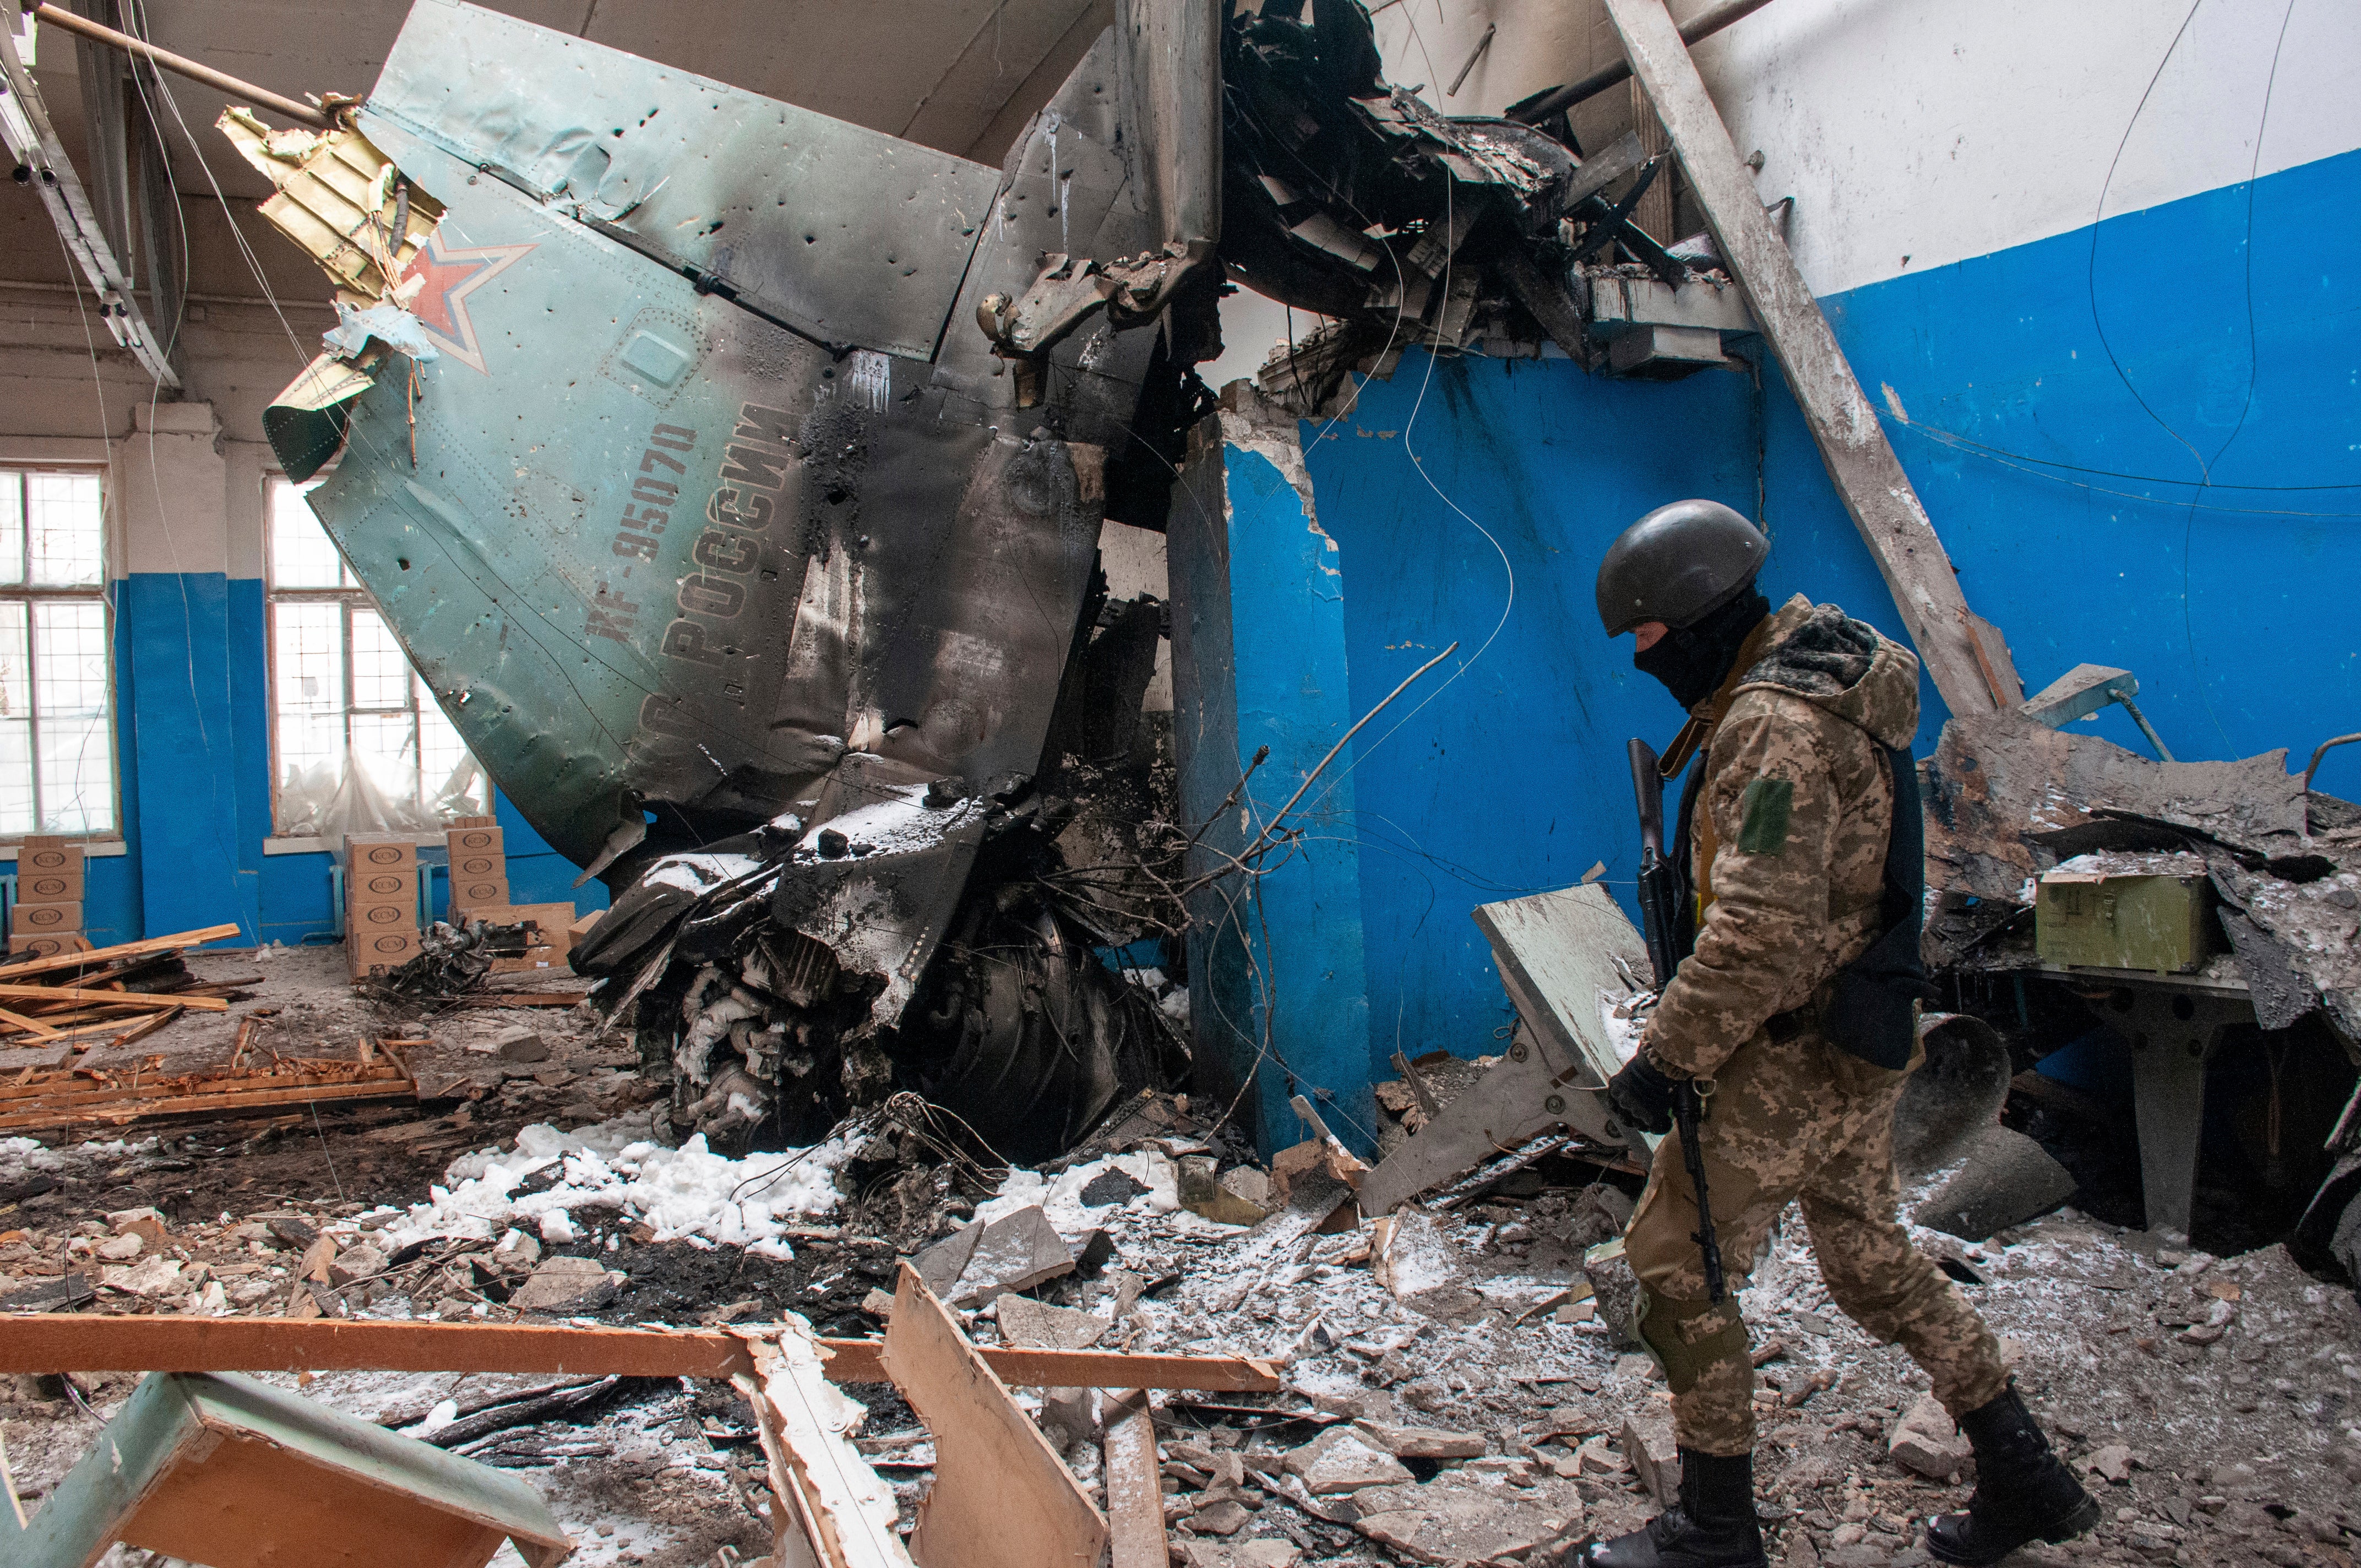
[2216,1404]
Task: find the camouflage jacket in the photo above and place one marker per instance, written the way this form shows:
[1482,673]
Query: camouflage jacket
[1791,827]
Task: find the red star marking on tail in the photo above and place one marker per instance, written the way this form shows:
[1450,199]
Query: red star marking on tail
[449,275]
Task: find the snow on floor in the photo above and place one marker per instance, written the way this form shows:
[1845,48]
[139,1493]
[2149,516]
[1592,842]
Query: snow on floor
[685,1193]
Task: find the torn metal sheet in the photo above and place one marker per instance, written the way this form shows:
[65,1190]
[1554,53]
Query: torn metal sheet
[340,199]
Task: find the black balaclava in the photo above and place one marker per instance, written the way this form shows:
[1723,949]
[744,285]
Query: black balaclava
[1691,661]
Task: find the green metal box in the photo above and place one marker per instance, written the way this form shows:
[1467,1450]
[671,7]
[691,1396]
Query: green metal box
[2104,920]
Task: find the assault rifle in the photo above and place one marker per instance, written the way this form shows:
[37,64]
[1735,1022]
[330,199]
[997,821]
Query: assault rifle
[1660,892]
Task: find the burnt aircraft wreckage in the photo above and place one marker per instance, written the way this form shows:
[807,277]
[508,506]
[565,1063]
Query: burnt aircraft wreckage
[734,476]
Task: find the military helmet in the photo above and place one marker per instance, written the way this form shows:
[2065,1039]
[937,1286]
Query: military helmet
[1677,564]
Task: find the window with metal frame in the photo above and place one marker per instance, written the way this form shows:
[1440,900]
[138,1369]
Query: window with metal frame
[57,685]
[342,695]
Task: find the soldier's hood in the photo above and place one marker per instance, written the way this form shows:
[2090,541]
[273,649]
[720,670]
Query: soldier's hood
[1845,667]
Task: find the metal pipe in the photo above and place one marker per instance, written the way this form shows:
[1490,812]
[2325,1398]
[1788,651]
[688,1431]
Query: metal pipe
[181,65]
[1706,25]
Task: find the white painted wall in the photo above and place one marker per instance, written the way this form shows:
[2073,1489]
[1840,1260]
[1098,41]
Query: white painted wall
[1937,130]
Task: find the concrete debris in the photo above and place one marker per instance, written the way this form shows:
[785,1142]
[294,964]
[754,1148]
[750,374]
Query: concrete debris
[1341,1459]
[564,1286]
[1023,1321]
[983,1261]
[1927,1443]
[1468,1517]
[1654,1456]
[1419,1442]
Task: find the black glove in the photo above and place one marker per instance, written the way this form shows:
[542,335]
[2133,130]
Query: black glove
[1641,1095]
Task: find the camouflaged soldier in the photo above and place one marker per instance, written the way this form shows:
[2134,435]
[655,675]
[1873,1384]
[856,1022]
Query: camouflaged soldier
[1804,718]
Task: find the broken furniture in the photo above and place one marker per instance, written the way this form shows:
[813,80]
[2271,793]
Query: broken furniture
[1566,959]
[229,1472]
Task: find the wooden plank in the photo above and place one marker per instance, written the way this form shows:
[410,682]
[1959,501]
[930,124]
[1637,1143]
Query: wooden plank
[115,998]
[92,1086]
[101,956]
[1134,1484]
[202,1105]
[38,1031]
[821,1488]
[1860,461]
[68,1341]
[1002,1497]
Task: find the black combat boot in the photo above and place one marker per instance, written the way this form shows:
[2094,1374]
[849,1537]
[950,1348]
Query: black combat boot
[1711,1526]
[2023,1492]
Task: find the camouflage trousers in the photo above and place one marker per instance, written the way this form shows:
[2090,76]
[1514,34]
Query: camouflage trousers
[1796,1119]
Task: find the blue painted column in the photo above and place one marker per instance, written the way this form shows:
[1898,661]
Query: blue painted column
[1278,1000]
[170,500]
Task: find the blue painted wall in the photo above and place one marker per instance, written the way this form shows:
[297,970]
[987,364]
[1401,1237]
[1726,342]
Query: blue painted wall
[193,736]
[1275,965]
[2236,613]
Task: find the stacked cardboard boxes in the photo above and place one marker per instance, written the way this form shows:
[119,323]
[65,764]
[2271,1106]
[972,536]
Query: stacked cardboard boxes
[47,916]
[479,865]
[380,904]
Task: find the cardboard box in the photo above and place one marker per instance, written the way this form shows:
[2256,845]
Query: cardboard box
[472,863]
[380,917]
[379,854]
[381,887]
[490,892]
[475,822]
[50,944]
[381,950]
[581,929]
[34,919]
[49,887]
[52,858]
[473,841]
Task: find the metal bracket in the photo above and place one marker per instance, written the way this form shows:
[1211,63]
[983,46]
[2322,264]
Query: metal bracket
[2085,689]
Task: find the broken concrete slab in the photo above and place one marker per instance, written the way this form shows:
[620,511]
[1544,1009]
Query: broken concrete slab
[1024,1322]
[356,1264]
[1994,1177]
[1223,1517]
[981,1261]
[1462,1517]
[150,1277]
[1261,1554]
[565,1285]
[1649,1445]
[1339,1460]
[1929,1443]
[1418,1443]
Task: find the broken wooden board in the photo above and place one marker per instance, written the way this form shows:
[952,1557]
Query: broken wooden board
[70,1342]
[140,999]
[1135,1493]
[98,957]
[820,1487]
[1860,462]
[85,1097]
[1002,1496]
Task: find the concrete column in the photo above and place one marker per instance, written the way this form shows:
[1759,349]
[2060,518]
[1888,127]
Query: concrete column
[1276,989]
[171,513]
